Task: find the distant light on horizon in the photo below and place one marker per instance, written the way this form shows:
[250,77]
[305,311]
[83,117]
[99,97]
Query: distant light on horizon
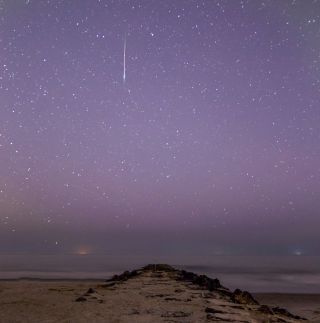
[83,251]
[298,252]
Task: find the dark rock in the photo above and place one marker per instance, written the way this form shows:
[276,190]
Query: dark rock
[176,314]
[159,267]
[284,312]
[157,275]
[238,307]
[213,318]
[196,282]
[244,297]
[200,280]
[113,278]
[225,294]
[134,273]
[173,299]
[134,312]
[111,284]
[187,275]
[213,311]
[124,276]
[90,291]
[265,309]
[81,299]
[177,299]
[208,295]
[157,295]
[213,284]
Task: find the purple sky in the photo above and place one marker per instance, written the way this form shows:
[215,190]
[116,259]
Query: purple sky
[211,142]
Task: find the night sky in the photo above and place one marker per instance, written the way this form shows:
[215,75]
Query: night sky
[178,126]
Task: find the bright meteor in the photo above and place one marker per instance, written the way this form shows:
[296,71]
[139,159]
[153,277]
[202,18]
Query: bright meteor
[124,59]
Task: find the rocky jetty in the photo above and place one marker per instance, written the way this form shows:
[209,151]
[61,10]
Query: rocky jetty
[161,293]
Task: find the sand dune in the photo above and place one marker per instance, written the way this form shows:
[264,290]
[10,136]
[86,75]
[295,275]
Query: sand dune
[156,293]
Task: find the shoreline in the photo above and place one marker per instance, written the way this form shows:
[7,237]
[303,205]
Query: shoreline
[149,294]
[67,279]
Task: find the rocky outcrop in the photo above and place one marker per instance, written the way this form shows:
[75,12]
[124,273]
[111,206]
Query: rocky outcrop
[90,295]
[200,280]
[265,309]
[284,312]
[182,290]
[159,267]
[124,276]
[243,297]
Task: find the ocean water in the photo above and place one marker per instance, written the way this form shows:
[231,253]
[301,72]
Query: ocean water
[291,274]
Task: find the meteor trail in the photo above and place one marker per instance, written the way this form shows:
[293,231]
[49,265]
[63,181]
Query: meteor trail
[124,59]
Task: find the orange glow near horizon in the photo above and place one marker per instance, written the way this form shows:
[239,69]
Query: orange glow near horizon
[83,250]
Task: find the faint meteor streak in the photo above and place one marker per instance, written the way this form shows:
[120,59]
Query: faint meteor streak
[124,59]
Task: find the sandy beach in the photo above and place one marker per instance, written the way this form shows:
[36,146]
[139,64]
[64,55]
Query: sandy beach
[145,296]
